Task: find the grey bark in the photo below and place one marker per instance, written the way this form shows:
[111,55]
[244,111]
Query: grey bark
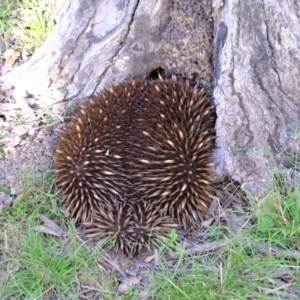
[257,90]
[98,43]
[251,67]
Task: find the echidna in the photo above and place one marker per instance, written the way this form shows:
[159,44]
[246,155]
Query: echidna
[130,226]
[90,159]
[172,164]
[136,158]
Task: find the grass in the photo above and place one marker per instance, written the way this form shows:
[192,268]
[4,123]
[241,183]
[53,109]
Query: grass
[40,266]
[36,264]
[258,259]
[279,216]
[239,271]
[6,20]
[25,24]
[35,22]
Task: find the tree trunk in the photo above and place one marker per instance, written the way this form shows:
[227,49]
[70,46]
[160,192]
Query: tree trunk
[257,89]
[251,67]
[98,43]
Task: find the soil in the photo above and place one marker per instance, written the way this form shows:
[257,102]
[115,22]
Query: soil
[28,148]
[21,156]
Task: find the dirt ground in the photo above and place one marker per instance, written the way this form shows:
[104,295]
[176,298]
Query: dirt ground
[22,154]
[28,148]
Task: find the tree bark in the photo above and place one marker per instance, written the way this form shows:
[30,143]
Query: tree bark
[92,46]
[251,67]
[98,43]
[257,89]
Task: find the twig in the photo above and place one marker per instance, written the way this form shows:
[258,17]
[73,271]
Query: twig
[49,125]
[266,249]
[107,259]
[207,247]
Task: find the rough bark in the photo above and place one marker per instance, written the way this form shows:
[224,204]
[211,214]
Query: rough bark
[91,46]
[257,89]
[256,67]
[98,43]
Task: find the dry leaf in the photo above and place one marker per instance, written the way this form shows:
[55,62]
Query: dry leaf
[122,288]
[207,223]
[10,56]
[46,229]
[50,227]
[19,198]
[13,191]
[21,130]
[149,258]
[10,141]
[11,179]
[132,280]
[156,258]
